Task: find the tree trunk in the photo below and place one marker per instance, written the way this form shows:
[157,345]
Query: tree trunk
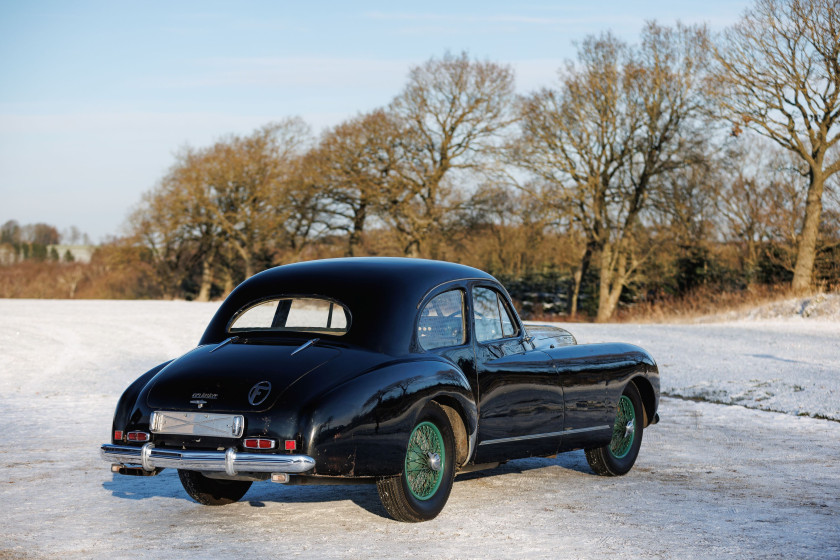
[355,237]
[807,250]
[227,286]
[581,271]
[611,282]
[413,248]
[206,278]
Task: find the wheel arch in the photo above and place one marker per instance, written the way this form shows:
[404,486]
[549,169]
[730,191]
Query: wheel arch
[464,436]
[649,401]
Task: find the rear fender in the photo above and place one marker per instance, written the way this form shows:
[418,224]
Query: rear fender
[126,406]
[361,427]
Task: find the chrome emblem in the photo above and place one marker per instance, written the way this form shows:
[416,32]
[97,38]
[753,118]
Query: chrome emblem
[198,398]
[259,393]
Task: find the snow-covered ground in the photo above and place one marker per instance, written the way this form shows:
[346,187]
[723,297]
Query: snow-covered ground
[711,480]
[786,365]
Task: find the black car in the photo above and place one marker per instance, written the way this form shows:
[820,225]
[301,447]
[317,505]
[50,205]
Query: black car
[396,371]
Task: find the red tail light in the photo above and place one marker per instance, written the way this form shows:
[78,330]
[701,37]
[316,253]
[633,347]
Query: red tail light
[138,436]
[291,445]
[118,435]
[259,443]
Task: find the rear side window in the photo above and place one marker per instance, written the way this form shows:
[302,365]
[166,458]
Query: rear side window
[493,319]
[293,314]
[442,321]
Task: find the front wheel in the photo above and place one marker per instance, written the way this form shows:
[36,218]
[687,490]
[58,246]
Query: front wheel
[212,491]
[421,490]
[618,456]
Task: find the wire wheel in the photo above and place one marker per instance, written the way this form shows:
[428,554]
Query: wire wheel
[624,429]
[424,460]
[617,456]
[420,490]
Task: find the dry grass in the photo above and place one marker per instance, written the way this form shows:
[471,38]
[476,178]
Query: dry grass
[703,303]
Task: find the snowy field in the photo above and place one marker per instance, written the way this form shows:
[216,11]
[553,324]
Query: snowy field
[711,481]
[783,365]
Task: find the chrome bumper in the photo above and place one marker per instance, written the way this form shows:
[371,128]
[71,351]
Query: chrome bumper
[229,461]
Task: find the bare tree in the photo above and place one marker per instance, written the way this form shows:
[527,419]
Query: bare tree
[452,112]
[579,137]
[170,226]
[40,234]
[506,227]
[761,201]
[233,203]
[687,203]
[245,187]
[351,169]
[779,75]
[623,119]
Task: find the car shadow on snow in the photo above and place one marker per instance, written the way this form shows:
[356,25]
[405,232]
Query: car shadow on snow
[165,485]
[168,485]
[572,461]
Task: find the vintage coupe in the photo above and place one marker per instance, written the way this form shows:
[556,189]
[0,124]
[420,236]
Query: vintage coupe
[396,371]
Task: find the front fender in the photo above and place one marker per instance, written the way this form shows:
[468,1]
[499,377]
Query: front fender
[361,427]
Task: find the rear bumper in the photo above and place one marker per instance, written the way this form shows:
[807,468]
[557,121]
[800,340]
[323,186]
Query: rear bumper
[230,461]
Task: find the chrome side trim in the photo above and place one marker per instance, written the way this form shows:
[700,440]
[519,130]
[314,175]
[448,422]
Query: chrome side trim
[229,462]
[225,343]
[304,346]
[545,435]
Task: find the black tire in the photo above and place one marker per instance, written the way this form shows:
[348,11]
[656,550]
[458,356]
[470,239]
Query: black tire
[212,491]
[400,501]
[617,457]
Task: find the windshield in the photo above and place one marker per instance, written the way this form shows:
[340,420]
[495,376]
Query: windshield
[292,314]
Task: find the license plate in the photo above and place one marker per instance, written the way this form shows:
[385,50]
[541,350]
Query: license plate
[197,424]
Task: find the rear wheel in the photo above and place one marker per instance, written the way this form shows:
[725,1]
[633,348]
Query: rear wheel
[422,489]
[618,456]
[212,491]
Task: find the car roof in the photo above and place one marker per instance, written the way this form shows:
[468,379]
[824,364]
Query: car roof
[382,294]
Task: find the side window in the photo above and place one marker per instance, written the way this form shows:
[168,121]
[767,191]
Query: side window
[442,321]
[493,319]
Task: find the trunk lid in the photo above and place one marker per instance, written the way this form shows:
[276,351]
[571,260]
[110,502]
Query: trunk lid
[234,377]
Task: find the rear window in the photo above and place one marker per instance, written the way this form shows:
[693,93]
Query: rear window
[293,314]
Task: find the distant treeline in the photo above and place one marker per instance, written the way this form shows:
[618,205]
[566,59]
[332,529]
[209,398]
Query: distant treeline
[41,242]
[679,165]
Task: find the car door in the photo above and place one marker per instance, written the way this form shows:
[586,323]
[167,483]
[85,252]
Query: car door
[520,401]
[584,372]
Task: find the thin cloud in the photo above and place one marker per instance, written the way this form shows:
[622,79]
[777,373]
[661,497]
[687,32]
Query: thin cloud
[630,21]
[451,18]
[294,72]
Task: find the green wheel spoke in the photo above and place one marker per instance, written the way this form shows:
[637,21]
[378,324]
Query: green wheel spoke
[624,433]
[425,440]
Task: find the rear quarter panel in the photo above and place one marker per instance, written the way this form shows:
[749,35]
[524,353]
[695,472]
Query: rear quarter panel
[361,427]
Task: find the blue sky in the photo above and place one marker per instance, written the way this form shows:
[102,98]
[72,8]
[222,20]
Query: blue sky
[95,97]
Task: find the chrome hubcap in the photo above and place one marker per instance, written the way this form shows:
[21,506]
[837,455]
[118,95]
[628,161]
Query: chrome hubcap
[434,461]
[630,429]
